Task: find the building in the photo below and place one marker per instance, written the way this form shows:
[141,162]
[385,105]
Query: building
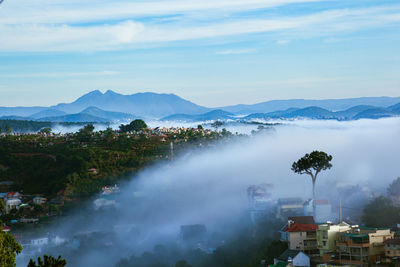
[328,234]
[93,171]
[295,257]
[39,200]
[290,206]
[300,233]
[361,246]
[392,251]
[291,220]
[321,209]
[12,204]
[12,195]
[260,201]
[303,237]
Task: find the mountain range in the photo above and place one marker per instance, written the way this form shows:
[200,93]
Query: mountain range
[114,107]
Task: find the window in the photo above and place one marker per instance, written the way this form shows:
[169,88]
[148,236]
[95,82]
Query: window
[324,243]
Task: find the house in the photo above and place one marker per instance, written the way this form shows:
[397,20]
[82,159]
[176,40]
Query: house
[290,206]
[295,257]
[12,195]
[291,220]
[328,234]
[361,246]
[260,201]
[5,228]
[392,250]
[38,242]
[93,171]
[12,204]
[303,237]
[39,200]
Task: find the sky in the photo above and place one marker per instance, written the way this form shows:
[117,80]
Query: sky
[211,52]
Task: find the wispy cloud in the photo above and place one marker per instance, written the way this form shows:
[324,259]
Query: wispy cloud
[67,12]
[34,36]
[59,74]
[236,51]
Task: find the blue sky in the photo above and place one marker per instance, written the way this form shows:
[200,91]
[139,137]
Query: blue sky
[212,52]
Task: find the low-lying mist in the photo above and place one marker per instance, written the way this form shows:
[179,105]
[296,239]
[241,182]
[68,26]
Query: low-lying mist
[209,186]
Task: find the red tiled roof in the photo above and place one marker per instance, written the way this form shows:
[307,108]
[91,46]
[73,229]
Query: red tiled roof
[297,227]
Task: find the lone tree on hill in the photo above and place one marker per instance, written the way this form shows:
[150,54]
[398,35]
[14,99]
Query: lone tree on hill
[312,164]
[135,125]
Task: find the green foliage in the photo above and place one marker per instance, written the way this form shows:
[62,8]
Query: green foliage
[46,130]
[312,164]
[200,127]
[23,126]
[8,129]
[135,125]
[2,207]
[9,248]
[182,263]
[217,124]
[48,261]
[380,212]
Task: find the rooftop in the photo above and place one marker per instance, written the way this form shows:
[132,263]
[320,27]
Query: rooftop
[297,227]
[288,253]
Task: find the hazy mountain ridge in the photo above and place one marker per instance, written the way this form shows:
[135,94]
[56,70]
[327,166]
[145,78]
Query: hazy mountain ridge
[353,113]
[329,104]
[150,105]
[110,106]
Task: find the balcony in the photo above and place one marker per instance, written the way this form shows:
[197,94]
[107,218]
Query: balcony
[350,243]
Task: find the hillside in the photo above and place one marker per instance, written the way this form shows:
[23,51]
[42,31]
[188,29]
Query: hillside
[212,115]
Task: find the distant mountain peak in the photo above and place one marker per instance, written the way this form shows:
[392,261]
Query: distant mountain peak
[111,92]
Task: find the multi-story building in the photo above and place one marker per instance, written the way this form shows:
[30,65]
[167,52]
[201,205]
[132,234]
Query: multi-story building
[328,234]
[303,237]
[291,206]
[291,220]
[362,246]
[392,251]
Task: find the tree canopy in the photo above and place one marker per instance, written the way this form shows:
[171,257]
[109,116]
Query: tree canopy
[312,164]
[135,125]
[394,188]
[48,261]
[9,248]
[380,212]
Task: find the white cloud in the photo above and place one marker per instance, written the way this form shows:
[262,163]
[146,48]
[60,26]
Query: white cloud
[127,34]
[60,74]
[48,11]
[282,42]
[236,51]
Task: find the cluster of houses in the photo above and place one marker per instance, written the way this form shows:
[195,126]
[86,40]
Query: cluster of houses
[15,201]
[312,238]
[328,244]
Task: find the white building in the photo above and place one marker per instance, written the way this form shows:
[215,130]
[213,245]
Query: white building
[295,257]
[12,204]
